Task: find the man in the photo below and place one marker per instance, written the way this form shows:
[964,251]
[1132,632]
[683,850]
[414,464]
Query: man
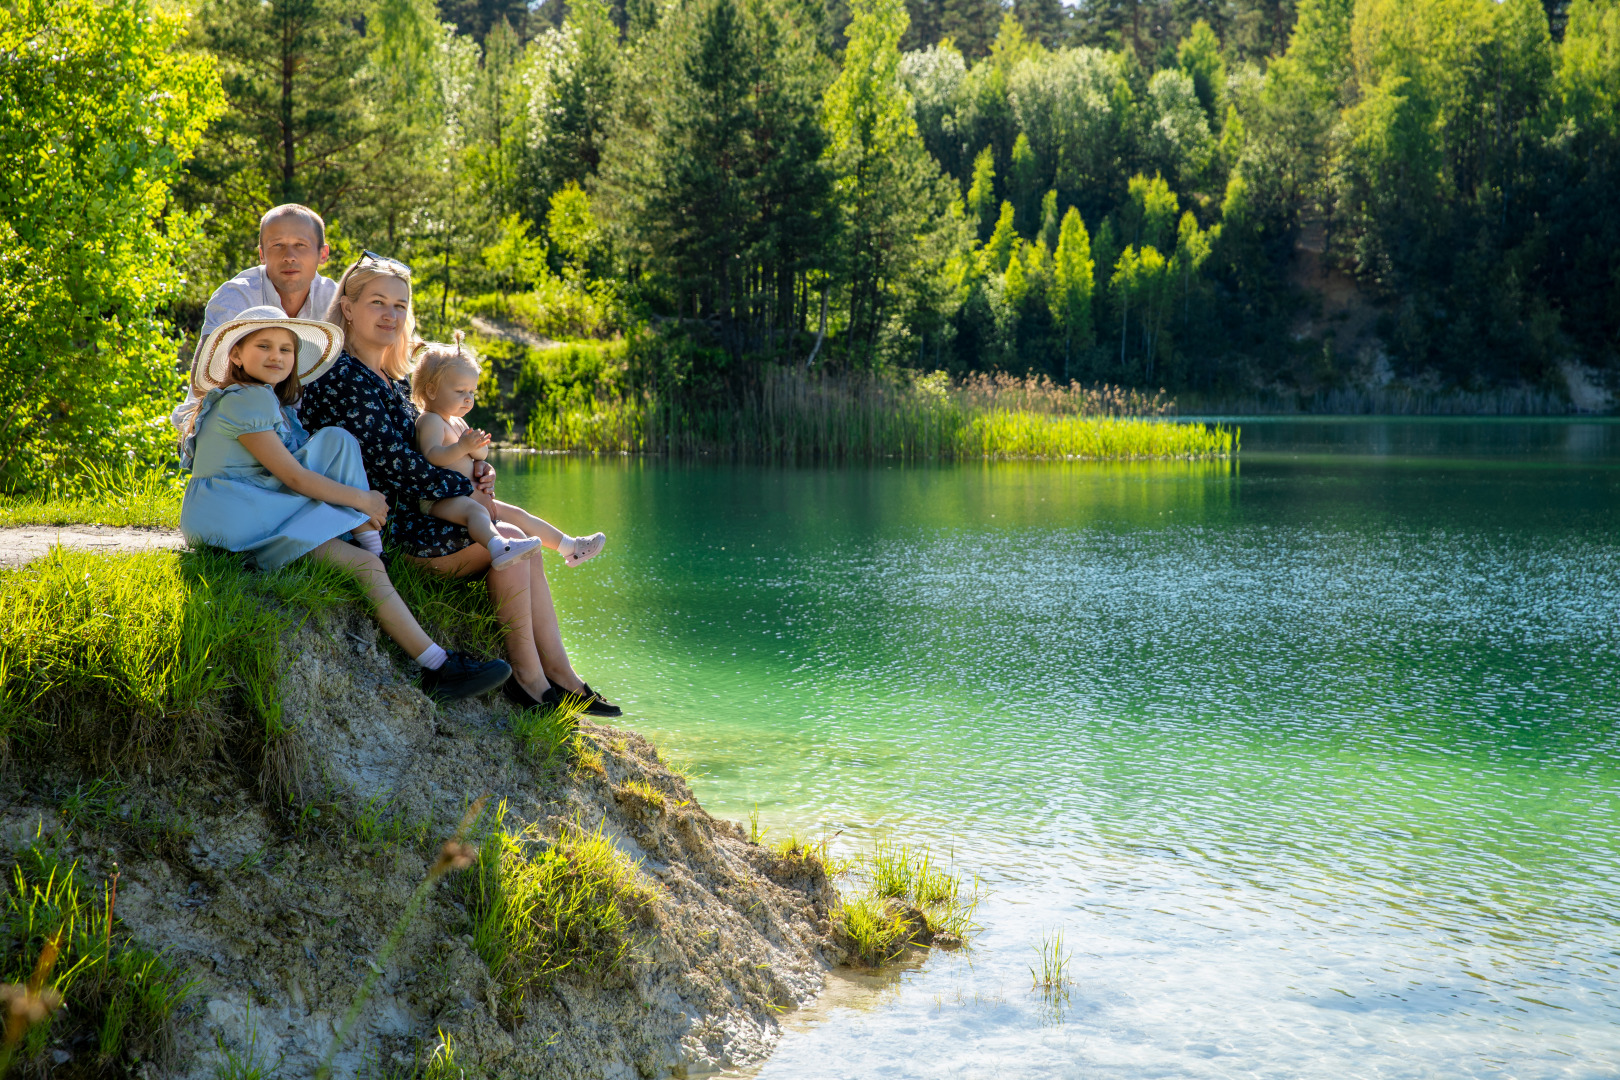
[292,247]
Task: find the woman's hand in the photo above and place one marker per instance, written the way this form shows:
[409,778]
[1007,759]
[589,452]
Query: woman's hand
[374,505]
[483,477]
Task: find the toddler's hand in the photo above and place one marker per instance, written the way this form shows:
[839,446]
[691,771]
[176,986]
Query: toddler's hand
[473,439]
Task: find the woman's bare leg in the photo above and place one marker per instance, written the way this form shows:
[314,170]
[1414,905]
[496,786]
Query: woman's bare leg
[545,634]
[392,614]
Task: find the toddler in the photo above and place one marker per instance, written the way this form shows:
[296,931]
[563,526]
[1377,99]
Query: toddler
[444,386]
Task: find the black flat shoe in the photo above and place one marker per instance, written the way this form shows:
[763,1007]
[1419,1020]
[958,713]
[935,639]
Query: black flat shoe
[554,698]
[463,676]
[597,704]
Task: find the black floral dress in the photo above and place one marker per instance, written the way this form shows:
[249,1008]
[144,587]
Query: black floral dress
[381,417]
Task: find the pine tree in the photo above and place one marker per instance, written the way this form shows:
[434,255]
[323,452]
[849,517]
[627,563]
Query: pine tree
[1044,21]
[476,18]
[573,74]
[981,196]
[1072,281]
[298,128]
[1199,55]
[999,249]
[888,189]
[1150,212]
[1049,220]
[1025,182]
[721,192]
[971,24]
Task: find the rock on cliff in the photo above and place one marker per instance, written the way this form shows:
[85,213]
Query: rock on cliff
[279,911]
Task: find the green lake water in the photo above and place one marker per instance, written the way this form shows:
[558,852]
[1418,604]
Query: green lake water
[1314,758]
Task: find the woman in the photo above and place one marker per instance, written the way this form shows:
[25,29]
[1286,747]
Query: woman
[365,394]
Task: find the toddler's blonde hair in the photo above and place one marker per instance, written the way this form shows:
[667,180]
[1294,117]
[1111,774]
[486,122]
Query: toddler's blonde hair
[435,360]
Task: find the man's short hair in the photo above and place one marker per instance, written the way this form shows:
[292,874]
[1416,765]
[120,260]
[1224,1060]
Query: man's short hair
[293,209]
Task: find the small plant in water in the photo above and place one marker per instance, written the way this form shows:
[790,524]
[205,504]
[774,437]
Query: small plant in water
[1052,977]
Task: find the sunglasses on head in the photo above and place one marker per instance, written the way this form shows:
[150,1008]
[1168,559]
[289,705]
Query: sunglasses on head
[384,260]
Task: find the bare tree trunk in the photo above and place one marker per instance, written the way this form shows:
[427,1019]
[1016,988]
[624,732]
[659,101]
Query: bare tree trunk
[822,334]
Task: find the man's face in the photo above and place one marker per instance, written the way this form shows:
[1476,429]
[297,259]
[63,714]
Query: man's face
[290,255]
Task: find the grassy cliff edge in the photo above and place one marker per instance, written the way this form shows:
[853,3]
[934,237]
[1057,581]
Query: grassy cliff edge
[223,799]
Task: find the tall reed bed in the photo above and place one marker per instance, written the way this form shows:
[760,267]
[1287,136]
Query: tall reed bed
[789,414]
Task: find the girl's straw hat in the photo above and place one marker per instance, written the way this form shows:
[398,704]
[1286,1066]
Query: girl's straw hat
[319,344]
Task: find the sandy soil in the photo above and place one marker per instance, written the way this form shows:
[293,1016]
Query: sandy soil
[25,544]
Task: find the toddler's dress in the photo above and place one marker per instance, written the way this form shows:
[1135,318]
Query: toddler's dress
[235,503]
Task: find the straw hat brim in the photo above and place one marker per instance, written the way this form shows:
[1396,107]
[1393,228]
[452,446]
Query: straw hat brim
[319,345]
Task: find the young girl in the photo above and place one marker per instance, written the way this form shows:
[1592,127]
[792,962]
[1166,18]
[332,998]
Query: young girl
[444,386]
[260,485]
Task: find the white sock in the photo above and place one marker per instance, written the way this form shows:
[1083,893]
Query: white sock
[497,545]
[371,540]
[565,546]
[433,657]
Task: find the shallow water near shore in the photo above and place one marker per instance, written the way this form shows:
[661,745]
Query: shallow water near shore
[1313,757]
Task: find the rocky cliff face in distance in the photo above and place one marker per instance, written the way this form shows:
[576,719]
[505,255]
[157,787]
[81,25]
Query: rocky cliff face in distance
[608,928]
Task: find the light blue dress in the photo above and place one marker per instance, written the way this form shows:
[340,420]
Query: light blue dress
[235,503]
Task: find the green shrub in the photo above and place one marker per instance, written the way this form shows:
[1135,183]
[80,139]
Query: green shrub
[555,308]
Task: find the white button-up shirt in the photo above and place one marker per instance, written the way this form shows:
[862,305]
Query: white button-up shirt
[253,288]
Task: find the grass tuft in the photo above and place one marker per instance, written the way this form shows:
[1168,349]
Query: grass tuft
[106,806]
[903,885]
[875,930]
[545,735]
[544,906]
[1052,975]
[119,998]
[128,496]
[644,793]
[115,660]
[251,1064]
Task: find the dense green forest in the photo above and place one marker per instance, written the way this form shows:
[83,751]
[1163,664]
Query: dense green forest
[1217,198]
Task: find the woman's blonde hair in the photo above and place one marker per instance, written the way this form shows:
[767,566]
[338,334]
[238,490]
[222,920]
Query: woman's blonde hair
[434,360]
[396,363]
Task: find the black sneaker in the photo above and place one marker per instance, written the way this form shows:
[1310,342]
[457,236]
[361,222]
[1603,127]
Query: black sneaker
[598,705]
[463,676]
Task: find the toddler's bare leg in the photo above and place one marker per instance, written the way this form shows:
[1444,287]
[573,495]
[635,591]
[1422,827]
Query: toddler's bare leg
[466,511]
[547,533]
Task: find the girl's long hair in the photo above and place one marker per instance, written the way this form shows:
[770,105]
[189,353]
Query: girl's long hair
[396,362]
